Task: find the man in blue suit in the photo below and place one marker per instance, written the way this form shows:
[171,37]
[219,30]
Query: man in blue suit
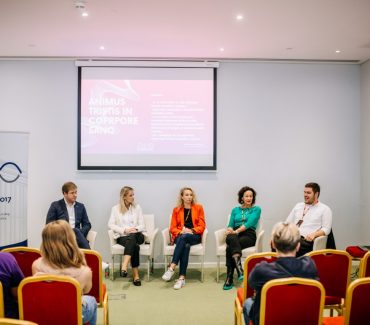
[74,212]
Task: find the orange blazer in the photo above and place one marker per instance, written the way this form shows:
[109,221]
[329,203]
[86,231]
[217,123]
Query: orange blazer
[177,220]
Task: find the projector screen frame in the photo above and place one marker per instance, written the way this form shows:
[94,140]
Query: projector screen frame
[155,64]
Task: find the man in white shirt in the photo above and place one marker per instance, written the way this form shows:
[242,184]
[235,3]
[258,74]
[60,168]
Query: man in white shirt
[74,212]
[312,217]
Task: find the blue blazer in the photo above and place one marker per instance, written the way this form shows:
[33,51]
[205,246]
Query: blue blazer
[58,211]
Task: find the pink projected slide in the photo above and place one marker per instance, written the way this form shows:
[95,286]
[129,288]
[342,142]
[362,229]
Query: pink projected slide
[151,117]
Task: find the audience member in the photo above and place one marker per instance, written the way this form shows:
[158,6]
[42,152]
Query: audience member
[240,233]
[127,222]
[60,255]
[74,212]
[186,229]
[10,277]
[286,241]
[312,217]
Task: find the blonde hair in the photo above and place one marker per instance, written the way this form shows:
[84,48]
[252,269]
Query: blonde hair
[59,246]
[285,237]
[180,202]
[124,191]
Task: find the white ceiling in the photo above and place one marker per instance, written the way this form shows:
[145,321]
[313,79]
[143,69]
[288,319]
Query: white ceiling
[187,29]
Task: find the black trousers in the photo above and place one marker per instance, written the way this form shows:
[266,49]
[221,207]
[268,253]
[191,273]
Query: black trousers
[236,243]
[306,246]
[131,244]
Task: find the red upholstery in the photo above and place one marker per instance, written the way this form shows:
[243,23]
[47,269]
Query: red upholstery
[95,266]
[292,305]
[355,251]
[51,302]
[359,313]
[333,274]
[25,259]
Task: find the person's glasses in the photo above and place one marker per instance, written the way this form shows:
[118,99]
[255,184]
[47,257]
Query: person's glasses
[298,224]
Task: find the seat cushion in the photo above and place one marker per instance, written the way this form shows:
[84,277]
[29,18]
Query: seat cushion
[355,251]
[339,320]
[117,249]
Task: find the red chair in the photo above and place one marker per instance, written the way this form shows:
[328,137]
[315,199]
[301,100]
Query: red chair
[25,256]
[50,300]
[357,306]
[99,289]
[246,291]
[334,271]
[292,301]
[365,266]
[12,321]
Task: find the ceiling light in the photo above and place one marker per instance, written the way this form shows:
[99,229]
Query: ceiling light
[102,48]
[239,17]
[222,49]
[85,14]
[337,51]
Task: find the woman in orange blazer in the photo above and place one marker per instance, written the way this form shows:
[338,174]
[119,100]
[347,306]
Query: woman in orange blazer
[187,227]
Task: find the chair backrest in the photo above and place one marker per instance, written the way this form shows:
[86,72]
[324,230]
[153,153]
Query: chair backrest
[25,256]
[2,312]
[94,262]
[334,270]
[319,243]
[149,223]
[50,299]
[250,262]
[91,237]
[292,301]
[365,266]
[357,302]
[111,237]
[12,321]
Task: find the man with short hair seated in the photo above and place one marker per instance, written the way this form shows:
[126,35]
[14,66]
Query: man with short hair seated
[286,240]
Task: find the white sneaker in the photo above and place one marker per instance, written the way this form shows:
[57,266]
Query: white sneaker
[167,276]
[179,284]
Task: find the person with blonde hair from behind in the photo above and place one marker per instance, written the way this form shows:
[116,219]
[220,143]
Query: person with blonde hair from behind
[127,222]
[186,228]
[60,255]
[285,238]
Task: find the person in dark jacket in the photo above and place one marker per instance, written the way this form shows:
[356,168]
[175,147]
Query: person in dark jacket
[286,240]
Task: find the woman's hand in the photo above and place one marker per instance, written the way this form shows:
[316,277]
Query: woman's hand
[229,231]
[131,230]
[186,231]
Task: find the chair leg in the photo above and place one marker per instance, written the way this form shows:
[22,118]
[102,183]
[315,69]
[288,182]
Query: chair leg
[112,276]
[202,275]
[218,270]
[152,266]
[148,268]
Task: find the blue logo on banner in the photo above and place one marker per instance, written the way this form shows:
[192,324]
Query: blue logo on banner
[15,166]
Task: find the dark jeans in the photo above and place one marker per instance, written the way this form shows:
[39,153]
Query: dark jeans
[306,246]
[235,243]
[131,244]
[182,250]
[82,242]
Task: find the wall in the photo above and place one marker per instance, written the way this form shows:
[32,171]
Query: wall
[279,126]
[365,152]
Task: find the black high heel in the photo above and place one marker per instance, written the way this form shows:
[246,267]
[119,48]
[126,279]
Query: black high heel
[137,282]
[123,273]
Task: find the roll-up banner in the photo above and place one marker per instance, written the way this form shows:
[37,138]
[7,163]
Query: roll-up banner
[13,188]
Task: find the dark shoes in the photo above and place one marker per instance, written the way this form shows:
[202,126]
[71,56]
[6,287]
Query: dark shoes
[137,282]
[123,273]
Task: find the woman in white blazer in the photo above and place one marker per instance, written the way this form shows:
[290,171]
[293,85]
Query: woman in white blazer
[127,222]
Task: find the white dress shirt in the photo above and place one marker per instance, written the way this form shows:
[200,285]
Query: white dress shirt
[315,217]
[71,213]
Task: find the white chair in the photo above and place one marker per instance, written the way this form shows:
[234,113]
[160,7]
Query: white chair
[221,245]
[146,249]
[195,250]
[91,236]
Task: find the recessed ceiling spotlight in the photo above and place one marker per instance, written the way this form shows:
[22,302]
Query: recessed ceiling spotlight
[222,49]
[239,17]
[102,48]
[337,51]
[85,14]
[289,48]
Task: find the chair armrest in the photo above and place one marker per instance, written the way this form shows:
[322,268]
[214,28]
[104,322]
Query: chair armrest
[220,237]
[204,238]
[166,237]
[319,243]
[152,237]
[259,242]
[111,237]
